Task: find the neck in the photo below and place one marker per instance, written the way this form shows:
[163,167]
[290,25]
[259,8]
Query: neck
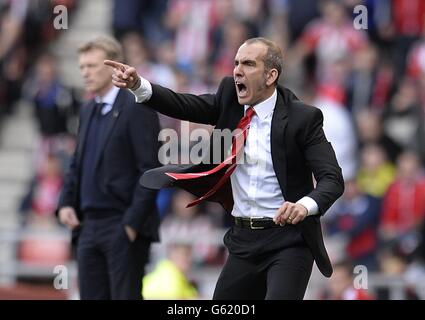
[102,92]
[266,96]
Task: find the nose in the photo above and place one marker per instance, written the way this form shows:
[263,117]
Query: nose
[84,72]
[237,71]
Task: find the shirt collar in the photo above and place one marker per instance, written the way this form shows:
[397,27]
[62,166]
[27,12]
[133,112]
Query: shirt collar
[108,99]
[266,107]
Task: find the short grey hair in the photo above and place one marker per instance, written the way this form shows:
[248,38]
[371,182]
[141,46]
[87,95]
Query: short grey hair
[109,45]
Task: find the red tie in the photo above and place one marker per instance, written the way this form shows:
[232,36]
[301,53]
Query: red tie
[229,164]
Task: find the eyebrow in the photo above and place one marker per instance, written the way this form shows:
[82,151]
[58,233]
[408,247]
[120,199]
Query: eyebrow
[245,61]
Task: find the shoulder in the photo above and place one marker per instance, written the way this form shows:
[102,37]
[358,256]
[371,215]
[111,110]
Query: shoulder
[304,112]
[85,108]
[307,109]
[125,96]
[227,88]
[131,108]
[228,82]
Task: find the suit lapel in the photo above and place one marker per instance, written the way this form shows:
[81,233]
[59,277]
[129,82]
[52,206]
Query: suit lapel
[219,147]
[237,113]
[110,121]
[85,121]
[279,123]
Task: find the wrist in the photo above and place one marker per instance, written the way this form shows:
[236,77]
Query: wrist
[136,84]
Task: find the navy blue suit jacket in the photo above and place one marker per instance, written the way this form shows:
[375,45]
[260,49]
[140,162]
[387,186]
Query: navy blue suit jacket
[128,148]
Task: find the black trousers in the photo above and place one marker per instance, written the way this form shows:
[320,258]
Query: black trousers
[271,264]
[109,265]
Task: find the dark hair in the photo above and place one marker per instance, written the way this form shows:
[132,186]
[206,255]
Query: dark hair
[273,58]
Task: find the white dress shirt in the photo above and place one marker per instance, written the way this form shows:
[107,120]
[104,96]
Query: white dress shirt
[256,191]
[108,100]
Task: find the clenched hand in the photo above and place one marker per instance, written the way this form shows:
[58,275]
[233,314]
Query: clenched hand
[290,213]
[123,76]
[68,217]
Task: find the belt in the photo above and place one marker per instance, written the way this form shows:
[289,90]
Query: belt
[256,223]
[101,214]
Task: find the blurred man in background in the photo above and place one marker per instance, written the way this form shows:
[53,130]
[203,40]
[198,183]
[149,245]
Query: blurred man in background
[113,218]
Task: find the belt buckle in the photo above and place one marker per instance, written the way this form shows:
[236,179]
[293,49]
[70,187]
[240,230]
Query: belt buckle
[251,220]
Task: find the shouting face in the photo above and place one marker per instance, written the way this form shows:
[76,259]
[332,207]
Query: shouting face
[253,82]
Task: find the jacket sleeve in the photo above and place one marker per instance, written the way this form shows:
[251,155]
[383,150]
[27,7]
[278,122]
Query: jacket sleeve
[200,109]
[142,214]
[321,158]
[68,197]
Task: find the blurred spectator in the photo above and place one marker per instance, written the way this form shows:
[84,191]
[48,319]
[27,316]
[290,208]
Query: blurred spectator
[40,203]
[192,225]
[369,130]
[26,28]
[234,34]
[403,209]
[13,14]
[420,251]
[406,24]
[341,285]
[369,83]
[375,172]
[338,127]
[300,13]
[138,55]
[140,16]
[51,99]
[333,40]
[403,119]
[170,278]
[12,55]
[398,265]
[355,217]
[415,58]
[11,78]
[189,21]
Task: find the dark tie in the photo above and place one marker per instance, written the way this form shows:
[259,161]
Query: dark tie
[98,107]
[227,167]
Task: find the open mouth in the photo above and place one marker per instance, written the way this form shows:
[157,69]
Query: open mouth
[241,88]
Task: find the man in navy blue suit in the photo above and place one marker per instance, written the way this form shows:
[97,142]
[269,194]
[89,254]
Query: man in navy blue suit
[113,219]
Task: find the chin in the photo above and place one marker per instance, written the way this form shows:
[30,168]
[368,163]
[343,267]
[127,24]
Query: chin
[243,101]
[90,88]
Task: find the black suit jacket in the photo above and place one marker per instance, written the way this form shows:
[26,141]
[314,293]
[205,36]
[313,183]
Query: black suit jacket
[298,145]
[128,148]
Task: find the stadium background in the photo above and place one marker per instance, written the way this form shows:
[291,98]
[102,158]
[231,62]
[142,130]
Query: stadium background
[369,83]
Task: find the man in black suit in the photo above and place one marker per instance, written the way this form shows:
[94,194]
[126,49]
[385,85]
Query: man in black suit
[113,219]
[277,209]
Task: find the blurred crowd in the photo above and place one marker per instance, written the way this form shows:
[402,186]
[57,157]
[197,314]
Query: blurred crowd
[369,83]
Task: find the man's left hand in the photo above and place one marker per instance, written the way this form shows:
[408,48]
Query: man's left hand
[131,233]
[291,213]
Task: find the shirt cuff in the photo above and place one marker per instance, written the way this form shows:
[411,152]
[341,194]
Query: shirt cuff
[310,204]
[143,92]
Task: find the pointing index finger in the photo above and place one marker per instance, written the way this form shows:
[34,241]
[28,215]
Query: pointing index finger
[115,64]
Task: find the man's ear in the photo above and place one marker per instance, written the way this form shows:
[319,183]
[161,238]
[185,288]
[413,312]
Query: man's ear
[271,77]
